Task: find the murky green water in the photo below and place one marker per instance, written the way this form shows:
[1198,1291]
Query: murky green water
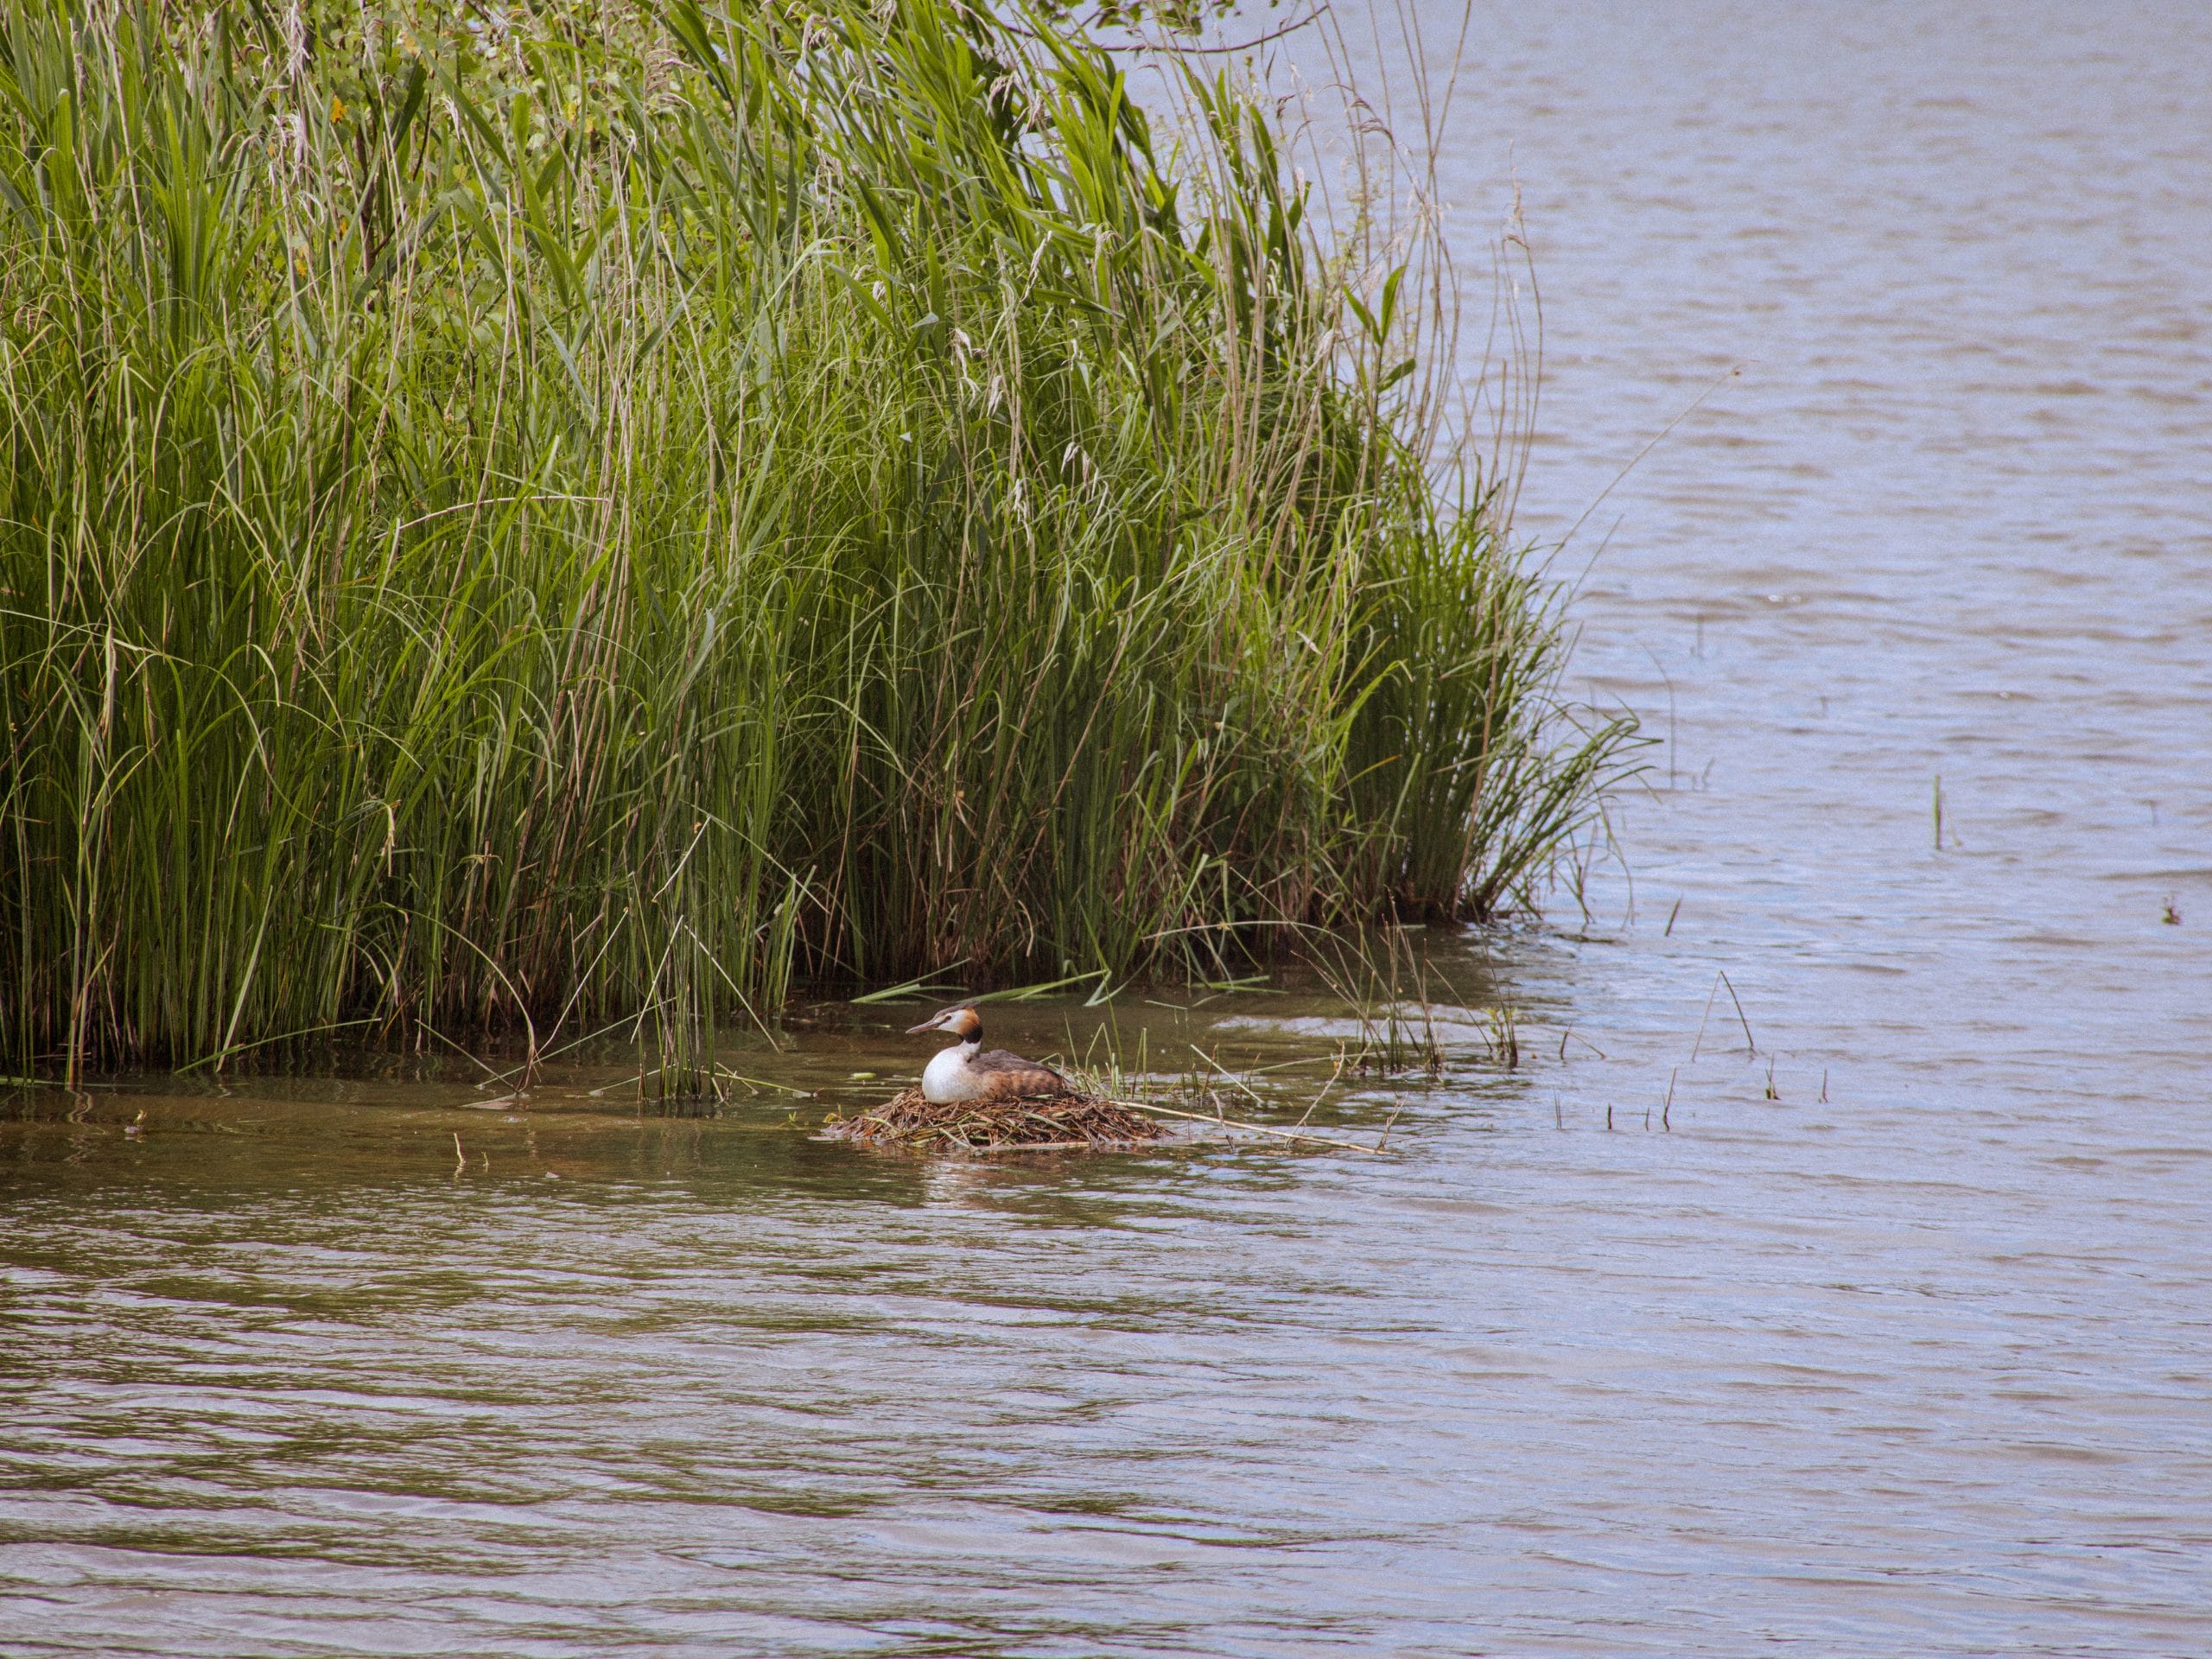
[1895,1339]
[281,1363]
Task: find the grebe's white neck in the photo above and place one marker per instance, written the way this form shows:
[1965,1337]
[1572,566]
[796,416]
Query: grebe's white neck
[951,1074]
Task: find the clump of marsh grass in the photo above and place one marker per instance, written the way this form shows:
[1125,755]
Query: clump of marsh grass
[574,517]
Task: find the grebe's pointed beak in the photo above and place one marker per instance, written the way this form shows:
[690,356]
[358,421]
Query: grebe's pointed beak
[929,1024]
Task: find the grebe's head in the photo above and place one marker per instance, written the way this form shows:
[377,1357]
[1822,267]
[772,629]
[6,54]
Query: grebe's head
[963,1022]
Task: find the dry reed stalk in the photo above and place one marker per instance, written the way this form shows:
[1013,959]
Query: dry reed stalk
[1379,1151]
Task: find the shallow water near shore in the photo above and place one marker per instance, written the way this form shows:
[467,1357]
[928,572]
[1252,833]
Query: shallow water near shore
[1884,1332]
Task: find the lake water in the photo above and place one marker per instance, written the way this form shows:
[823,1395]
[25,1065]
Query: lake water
[1890,1334]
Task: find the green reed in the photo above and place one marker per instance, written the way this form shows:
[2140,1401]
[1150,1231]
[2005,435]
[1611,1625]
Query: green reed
[599,516]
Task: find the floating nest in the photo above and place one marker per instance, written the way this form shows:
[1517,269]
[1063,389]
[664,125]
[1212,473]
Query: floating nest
[1062,1123]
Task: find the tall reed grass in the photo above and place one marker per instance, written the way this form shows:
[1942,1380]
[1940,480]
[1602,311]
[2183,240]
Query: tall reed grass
[536,518]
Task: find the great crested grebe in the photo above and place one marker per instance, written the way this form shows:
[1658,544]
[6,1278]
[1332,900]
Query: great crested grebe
[965,1072]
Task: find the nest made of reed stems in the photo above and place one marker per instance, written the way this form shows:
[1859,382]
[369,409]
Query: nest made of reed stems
[1069,1122]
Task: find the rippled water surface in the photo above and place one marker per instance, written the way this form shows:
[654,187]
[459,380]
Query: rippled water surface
[1893,1339]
